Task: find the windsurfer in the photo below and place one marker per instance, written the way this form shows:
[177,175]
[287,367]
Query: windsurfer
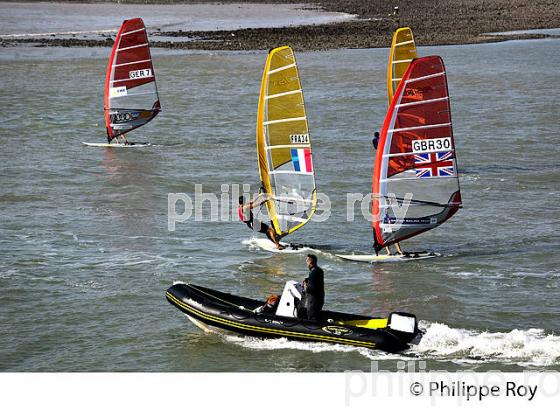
[125,142]
[245,212]
[375,139]
[375,142]
[397,247]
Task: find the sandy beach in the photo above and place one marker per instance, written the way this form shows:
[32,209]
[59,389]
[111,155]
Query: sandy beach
[435,22]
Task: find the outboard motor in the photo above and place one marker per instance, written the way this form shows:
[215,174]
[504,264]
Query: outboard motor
[291,296]
[403,322]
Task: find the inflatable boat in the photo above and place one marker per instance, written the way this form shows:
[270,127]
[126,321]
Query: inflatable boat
[210,309]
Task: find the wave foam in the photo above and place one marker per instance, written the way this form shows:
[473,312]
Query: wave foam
[527,348]
[530,347]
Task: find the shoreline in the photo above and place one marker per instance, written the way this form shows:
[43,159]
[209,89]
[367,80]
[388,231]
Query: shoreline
[452,22]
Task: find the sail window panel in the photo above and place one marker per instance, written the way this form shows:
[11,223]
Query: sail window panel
[132,54]
[134,65]
[280,157]
[402,143]
[401,60]
[133,83]
[412,212]
[133,39]
[423,90]
[281,134]
[398,71]
[293,186]
[286,107]
[132,25]
[140,98]
[134,119]
[433,112]
[395,229]
[287,133]
[281,58]
[283,81]
[125,72]
[432,190]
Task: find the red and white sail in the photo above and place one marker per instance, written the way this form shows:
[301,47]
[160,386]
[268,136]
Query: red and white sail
[415,166]
[131,97]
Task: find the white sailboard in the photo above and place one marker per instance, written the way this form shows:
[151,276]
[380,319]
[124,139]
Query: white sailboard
[407,257]
[117,145]
[267,245]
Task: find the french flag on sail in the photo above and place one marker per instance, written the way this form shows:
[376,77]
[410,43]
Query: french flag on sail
[301,158]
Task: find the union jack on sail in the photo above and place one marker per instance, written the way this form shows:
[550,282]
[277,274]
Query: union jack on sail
[434,164]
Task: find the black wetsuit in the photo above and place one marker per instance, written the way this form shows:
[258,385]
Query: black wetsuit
[314,296]
[375,141]
[263,228]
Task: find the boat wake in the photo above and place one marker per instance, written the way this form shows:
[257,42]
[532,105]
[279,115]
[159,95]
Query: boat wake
[283,343]
[527,348]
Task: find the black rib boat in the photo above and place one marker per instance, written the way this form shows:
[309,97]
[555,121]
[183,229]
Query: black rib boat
[211,308]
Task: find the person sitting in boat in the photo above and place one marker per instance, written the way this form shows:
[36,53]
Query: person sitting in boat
[270,305]
[245,212]
[313,291]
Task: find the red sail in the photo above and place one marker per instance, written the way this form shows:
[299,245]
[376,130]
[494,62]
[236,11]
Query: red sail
[415,162]
[131,97]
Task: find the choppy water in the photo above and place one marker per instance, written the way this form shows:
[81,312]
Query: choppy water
[86,254]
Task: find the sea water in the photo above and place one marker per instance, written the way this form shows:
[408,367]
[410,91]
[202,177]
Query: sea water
[86,253]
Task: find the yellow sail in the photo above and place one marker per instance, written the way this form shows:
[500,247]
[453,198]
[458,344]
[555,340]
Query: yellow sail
[403,51]
[284,145]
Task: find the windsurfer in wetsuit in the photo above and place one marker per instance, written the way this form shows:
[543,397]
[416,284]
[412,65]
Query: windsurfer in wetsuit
[397,247]
[245,212]
[375,139]
[375,142]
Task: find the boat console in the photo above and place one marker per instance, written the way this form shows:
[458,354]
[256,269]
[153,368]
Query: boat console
[290,298]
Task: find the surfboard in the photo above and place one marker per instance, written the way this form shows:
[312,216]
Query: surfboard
[267,245]
[117,145]
[410,256]
[131,97]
